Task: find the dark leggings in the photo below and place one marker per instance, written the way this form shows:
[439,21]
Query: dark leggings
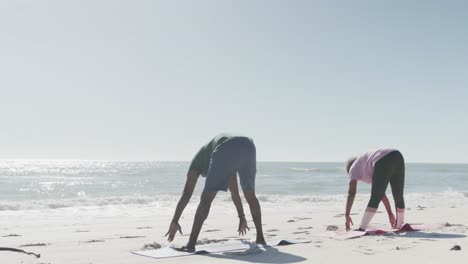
[389,169]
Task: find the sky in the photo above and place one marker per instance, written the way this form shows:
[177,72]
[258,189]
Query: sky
[307,80]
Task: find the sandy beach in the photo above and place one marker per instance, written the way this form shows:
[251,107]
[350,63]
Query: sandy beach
[113,109]
[108,234]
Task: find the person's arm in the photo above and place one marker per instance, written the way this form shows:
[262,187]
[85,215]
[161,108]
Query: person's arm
[349,203]
[192,177]
[391,216]
[234,189]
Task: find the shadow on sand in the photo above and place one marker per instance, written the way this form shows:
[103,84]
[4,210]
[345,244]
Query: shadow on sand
[260,255]
[433,235]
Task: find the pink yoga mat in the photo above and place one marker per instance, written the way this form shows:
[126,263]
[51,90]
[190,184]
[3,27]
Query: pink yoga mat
[342,234]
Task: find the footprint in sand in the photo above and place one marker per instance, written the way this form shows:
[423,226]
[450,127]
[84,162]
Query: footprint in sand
[301,232]
[342,215]
[210,241]
[271,235]
[81,231]
[212,230]
[144,227]
[94,241]
[305,228]
[302,218]
[365,251]
[401,248]
[272,230]
[36,245]
[291,221]
[129,237]
[12,235]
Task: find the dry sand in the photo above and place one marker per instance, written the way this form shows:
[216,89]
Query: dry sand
[108,234]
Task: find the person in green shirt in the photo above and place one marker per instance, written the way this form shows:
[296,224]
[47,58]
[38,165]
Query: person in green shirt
[219,161]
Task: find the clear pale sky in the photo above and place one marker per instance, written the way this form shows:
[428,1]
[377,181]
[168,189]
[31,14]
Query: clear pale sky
[307,80]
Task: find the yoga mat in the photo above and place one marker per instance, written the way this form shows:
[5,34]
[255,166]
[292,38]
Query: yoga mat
[343,235]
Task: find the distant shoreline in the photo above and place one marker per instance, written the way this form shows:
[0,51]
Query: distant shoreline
[187,161]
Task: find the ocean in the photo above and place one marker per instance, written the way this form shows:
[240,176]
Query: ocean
[54,184]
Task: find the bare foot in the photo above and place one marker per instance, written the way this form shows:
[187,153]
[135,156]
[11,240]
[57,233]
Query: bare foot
[186,249]
[261,241]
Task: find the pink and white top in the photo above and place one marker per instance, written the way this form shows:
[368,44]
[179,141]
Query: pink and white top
[363,168]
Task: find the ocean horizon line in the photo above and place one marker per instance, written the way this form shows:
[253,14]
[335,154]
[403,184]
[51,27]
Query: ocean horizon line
[187,161]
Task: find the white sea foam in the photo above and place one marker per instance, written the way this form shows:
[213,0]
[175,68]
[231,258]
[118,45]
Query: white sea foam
[441,198]
[46,184]
[305,169]
[85,202]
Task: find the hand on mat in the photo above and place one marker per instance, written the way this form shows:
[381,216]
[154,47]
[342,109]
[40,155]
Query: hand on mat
[349,223]
[392,219]
[243,227]
[173,228]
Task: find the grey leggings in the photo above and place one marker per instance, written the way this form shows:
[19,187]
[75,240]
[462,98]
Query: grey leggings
[389,169]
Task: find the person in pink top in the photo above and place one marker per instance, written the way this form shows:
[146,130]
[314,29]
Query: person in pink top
[378,168]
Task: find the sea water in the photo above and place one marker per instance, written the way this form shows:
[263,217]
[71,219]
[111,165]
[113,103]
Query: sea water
[54,184]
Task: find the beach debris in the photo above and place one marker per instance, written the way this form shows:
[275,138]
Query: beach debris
[150,246]
[19,251]
[447,224]
[456,247]
[332,228]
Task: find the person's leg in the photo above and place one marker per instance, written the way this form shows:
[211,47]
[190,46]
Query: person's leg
[217,179]
[380,179]
[256,212]
[397,183]
[247,180]
[200,216]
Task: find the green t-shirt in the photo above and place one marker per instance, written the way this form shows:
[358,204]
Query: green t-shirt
[201,161]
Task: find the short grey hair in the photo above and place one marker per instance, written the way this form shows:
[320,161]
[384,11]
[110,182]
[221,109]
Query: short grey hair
[349,163]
